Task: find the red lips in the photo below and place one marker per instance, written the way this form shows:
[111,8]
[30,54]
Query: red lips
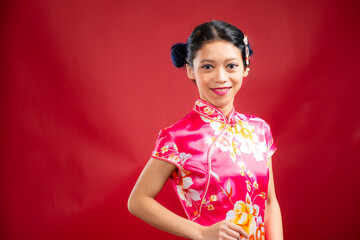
[221,91]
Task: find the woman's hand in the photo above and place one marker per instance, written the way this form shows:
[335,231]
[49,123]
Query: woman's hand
[224,230]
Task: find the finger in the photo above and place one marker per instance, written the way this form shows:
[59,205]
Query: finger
[238,229]
[225,233]
[233,233]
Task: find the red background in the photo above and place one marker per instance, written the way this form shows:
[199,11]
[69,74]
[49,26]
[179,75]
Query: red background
[86,86]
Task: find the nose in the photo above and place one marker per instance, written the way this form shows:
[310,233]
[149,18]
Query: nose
[221,75]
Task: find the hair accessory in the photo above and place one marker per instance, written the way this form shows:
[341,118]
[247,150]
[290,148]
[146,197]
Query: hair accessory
[247,52]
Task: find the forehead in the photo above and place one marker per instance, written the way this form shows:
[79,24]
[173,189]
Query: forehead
[218,50]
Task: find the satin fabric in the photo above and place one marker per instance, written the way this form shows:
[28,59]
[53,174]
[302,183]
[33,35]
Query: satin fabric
[222,166]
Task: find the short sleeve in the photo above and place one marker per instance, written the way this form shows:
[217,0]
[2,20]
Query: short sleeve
[271,147]
[166,149]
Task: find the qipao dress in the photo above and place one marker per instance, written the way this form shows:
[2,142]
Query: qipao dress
[222,166]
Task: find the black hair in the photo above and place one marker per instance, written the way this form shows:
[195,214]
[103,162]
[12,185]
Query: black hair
[182,53]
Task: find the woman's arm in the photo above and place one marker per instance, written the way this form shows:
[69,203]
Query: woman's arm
[273,222]
[142,204]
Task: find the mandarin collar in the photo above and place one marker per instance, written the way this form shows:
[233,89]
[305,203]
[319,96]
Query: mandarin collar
[210,111]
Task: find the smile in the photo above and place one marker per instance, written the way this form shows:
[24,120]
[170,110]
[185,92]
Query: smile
[221,91]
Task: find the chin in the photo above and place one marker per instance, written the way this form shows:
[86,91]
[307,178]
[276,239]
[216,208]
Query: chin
[221,103]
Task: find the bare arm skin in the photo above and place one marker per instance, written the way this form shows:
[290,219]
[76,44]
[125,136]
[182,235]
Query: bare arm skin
[273,222]
[142,204]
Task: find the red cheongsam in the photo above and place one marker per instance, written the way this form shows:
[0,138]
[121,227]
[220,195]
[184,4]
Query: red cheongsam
[222,163]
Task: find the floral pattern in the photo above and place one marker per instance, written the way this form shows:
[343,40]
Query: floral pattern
[222,166]
[184,191]
[244,214]
[239,135]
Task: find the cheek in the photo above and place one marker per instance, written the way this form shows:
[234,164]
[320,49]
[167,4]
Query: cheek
[200,85]
[238,80]
[238,85]
[202,80]
[199,76]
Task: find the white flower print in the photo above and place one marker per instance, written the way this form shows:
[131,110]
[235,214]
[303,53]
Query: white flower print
[183,157]
[185,193]
[225,143]
[215,125]
[249,141]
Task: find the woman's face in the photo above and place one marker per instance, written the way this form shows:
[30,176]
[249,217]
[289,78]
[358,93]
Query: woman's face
[218,71]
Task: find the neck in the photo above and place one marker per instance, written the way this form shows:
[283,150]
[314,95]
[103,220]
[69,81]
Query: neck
[226,110]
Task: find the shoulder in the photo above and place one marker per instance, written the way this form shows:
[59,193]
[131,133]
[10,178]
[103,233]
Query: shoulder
[181,124]
[252,120]
[249,118]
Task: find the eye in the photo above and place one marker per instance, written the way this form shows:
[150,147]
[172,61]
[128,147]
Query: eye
[232,66]
[207,66]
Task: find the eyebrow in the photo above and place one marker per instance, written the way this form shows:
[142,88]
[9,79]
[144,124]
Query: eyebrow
[229,59]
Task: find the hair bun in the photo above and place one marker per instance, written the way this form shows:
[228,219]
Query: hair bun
[179,54]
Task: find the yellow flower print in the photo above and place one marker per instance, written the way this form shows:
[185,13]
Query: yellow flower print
[173,158]
[260,232]
[244,215]
[241,165]
[213,198]
[235,150]
[256,185]
[249,141]
[209,110]
[242,168]
[262,195]
[199,104]
[248,185]
[210,140]
[164,149]
[242,128]
[225,143]
[210,207]
[249,173]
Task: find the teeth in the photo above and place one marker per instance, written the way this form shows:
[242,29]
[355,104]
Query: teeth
[221,89]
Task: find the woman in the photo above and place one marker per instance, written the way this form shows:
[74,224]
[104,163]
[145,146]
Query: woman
[219,160]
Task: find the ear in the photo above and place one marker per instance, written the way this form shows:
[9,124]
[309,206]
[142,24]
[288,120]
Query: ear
[190,72]
[246,72]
